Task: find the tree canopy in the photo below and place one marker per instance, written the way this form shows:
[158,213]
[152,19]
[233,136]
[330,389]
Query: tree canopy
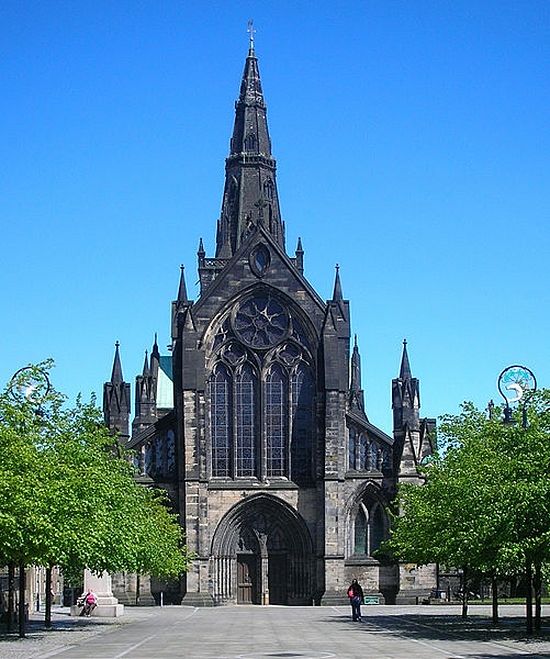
[68,495]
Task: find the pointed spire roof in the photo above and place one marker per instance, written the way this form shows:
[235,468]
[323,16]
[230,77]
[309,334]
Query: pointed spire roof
[200,251]
[146,364]
[116,375]
[299,248]
[250,191]
[405,372]
[355,385]
[155,351]
[337,292]
[182,289]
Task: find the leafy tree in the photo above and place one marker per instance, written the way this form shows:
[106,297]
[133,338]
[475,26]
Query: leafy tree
[485,504]
[68,495]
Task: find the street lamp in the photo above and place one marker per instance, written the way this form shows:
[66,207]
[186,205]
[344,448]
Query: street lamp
[30,383]
[516,383]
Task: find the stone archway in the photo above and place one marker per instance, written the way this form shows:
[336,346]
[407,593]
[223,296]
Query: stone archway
[262,554]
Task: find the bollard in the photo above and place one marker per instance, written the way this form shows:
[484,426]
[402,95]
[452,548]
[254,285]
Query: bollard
[161,598]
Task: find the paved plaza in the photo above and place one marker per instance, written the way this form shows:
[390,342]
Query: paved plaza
[252,632]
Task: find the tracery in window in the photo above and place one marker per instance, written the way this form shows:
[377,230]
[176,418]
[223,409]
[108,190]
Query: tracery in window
[245,406]
[221,425]
[262,431]
[276,410]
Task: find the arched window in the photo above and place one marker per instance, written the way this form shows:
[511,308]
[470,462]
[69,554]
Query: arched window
[360,540]
[268,189]
[276,416]
[352,447]
[245,407]
[302,391]
[250,142]
[363,443]
[220,401]
[369,528]
[373,456]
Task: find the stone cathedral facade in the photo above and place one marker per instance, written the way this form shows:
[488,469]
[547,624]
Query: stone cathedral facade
[255,423]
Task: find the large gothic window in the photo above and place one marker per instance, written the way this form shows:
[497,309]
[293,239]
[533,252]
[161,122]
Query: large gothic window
[369,528]
[261,393]
[245,398]
[276,408]
[221,426]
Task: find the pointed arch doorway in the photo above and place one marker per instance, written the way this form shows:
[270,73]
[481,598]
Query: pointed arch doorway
[262,554]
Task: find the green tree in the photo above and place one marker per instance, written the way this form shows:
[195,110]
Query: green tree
[68,495]
[485,502]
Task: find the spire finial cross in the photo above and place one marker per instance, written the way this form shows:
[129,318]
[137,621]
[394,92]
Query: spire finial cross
[251,32]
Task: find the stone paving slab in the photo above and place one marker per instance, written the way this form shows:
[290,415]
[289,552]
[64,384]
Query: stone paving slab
[252,632]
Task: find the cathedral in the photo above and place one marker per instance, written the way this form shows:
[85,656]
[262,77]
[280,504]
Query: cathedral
[255,423]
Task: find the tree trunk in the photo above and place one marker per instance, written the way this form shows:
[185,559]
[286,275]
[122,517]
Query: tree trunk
[138,588]
[529,597]
[494,588]
[11,595]
[537,583]
[22,607]
[48,586]
[464,595]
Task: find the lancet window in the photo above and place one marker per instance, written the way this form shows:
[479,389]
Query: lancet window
[369,528]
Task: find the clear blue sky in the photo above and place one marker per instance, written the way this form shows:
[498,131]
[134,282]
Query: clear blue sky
[413,148]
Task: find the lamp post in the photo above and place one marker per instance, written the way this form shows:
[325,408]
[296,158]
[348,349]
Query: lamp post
[28,384]
[516,384]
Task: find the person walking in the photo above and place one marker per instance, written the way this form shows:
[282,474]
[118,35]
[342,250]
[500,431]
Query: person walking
[355,594]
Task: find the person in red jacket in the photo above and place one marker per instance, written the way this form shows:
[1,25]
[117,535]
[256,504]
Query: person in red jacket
[355,594]
[89,600]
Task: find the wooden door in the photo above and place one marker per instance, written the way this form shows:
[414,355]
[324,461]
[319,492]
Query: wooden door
[247,579]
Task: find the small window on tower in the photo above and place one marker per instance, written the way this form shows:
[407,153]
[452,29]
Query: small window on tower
[250,142]
[260,260]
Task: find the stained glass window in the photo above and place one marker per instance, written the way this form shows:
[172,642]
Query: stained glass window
[245,404]
[276,408]
[302,391]
[220,396]
[360,540]
[369,528]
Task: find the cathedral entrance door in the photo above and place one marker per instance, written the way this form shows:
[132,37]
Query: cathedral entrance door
[247,579]
[277,578]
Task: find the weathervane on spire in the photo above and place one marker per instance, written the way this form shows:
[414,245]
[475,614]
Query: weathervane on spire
[251,31]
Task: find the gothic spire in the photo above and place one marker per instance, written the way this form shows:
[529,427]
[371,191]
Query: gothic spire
[405,372]
[250,192]
[356,394]
[116,375]
[155,351]
[182,290]
[146,364]
[337,293]
[299,256]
